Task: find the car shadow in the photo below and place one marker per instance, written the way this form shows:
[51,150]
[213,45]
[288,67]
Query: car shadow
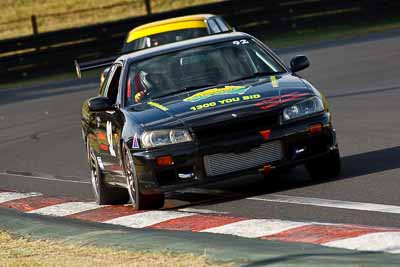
[353,166]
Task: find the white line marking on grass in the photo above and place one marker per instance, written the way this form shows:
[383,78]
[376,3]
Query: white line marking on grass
[255,228]
[66,209]
[319,202]
[148,218]
[387,242]
[10,196]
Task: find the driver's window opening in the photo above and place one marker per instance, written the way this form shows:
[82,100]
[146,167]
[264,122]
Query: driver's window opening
[112,92]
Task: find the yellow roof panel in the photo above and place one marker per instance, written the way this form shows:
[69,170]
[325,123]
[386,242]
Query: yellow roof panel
[174,24]
[173,20]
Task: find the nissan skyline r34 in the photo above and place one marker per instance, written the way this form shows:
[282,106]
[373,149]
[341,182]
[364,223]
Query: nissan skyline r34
[200,111]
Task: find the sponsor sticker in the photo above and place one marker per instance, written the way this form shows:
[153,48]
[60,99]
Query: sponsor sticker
[274,82]
[157,105]
[101,136]
[225,101]
[135,142]
[227,90]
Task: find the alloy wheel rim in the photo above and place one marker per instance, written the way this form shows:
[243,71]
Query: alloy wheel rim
[94,174]
[130,178]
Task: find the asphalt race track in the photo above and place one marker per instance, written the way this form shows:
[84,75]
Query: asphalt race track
[42,151]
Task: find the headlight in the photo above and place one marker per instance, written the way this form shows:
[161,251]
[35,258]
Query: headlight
[303,108]
[164,137]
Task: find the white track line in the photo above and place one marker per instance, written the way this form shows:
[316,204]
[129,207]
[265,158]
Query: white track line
[66,209]
[329,203]
[10,196]
[255,228]
[43,178]
[203,211]
[387,242]
[148,218]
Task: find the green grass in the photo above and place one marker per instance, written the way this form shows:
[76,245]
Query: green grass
[54,15]
[23,251]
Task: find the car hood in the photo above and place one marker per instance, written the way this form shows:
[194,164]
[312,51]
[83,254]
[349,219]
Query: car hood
[225,102]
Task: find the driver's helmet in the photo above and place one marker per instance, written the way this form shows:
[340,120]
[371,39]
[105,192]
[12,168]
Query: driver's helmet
[142,86]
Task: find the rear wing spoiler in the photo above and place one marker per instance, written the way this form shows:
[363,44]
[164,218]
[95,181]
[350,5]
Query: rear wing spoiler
[91,65]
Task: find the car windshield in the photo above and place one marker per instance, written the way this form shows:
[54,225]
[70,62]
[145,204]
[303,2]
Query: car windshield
[198,67]
[163,38]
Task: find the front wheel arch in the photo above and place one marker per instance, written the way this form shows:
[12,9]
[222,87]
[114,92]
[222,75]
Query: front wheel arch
[141,201]
[104,194]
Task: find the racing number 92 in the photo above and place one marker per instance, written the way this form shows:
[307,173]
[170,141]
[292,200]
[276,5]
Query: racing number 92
[240,42]
[206,105]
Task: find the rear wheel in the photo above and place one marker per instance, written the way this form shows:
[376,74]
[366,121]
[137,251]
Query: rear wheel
[103,194]
[139,200]
[325,167]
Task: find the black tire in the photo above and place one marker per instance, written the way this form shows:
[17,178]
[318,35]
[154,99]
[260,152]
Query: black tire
[103,194]
[325,167]
[139,201]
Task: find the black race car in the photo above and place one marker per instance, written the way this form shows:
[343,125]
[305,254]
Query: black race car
[199,111]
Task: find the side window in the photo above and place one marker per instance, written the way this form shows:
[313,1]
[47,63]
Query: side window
[112,90]
[222,24]
[213,26]
[104,77]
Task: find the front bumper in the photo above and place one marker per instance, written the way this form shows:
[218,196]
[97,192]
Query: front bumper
[297,143]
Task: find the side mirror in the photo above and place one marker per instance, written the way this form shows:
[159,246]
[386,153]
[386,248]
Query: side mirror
[100,103]
[299,63]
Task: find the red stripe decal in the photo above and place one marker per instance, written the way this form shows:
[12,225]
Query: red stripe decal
[318,234]
[267,101]
[33,203]
[195,223]
[277,100]
[291,98]
[105,213]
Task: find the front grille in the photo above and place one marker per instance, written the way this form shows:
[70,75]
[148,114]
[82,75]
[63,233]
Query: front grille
[231,129]
[224,163]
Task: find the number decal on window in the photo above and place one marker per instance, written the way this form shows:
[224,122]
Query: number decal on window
[240,42]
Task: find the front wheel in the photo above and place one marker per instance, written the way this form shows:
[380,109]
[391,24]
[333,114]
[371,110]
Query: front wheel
[139,200]
[327,166]
[103,194]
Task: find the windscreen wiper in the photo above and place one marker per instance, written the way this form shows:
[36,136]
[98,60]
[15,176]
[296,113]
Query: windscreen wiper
[255,75]
[194,87]
[188,88]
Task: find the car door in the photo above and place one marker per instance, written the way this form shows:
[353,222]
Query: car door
[109,129]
